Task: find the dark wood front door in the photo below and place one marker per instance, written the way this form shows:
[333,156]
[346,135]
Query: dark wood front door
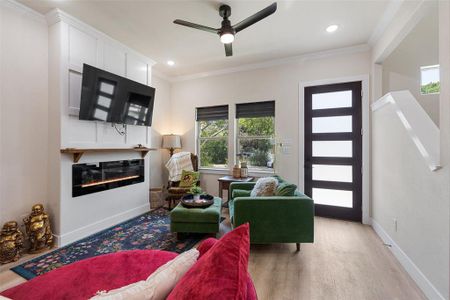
[333,149]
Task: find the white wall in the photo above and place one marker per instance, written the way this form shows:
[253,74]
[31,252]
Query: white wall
[279,83]
[403,188]
[401,70]
[161,125]
[23,111]
[73,43]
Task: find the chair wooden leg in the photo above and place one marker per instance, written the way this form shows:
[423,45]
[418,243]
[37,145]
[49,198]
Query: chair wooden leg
[298,247]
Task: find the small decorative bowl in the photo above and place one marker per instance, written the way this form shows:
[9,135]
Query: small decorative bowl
[197,201]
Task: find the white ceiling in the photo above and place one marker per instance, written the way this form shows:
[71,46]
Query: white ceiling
[296,28]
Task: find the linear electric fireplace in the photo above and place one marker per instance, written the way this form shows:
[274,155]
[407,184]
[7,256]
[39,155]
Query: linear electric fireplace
[102,176]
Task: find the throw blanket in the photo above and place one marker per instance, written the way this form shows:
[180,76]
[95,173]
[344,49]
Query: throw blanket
[177,163]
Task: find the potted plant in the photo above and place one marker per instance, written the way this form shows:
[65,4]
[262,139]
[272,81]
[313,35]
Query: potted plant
[196,191]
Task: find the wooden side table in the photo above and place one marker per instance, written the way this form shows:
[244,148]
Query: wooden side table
[224,184]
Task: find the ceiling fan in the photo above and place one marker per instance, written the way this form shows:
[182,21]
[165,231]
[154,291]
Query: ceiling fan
[227,31]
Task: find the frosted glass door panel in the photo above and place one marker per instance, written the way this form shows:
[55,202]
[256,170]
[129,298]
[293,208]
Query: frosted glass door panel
[332,173]
[332,197]
[332,100]
[332,124]
[332,148]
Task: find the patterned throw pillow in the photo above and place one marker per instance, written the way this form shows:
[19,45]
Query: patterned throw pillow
[265,186]
[286,189]
[280,180]
[189,178]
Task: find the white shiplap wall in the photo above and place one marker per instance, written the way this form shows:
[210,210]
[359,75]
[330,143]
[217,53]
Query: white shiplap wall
[72,43]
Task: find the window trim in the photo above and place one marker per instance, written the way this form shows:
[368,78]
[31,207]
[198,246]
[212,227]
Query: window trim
[232,141]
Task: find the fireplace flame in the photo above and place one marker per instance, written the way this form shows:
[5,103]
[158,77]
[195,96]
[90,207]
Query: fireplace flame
[108,181]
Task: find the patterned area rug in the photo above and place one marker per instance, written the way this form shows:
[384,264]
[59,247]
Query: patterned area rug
[148,231]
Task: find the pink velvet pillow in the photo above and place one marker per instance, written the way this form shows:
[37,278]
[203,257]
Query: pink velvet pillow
[221,273]
[205,245]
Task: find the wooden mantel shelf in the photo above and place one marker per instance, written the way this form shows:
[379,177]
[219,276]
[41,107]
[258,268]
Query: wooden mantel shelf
[78,152]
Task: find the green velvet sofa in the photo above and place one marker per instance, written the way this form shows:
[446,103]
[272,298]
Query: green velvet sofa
[274,219]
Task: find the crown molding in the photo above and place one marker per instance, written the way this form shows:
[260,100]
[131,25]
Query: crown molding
[161,75]
[23,9]
[275,62]
[385,46]
[387,17]
[56,15]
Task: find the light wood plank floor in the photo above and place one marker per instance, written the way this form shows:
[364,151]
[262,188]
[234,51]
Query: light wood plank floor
[347,261]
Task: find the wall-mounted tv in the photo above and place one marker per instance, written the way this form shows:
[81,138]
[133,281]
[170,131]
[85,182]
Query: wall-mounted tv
[111,98]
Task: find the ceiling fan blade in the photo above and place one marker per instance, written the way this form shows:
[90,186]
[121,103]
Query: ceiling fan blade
[196,26]
[228,49]
[256,17]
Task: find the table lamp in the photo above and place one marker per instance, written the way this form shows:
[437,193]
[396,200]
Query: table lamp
[171,142]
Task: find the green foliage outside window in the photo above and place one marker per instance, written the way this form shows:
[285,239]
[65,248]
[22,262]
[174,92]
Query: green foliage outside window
[256,141]
[213,143]
[430,88]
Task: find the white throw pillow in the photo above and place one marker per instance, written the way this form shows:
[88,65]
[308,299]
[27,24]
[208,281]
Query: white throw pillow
[265,186]
[158,285]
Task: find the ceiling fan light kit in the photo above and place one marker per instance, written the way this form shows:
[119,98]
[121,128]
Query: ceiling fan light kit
[227,32]
[227,38]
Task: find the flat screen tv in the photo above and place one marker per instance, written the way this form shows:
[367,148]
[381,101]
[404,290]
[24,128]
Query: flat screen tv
[111,98]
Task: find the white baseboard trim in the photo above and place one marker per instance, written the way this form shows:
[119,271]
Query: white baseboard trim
[421,280]
[70,237]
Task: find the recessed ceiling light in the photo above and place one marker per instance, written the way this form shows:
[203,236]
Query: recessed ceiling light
[332,28]
[170,62]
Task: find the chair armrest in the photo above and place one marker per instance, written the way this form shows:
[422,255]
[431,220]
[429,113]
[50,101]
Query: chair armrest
[276,219]
[248,186]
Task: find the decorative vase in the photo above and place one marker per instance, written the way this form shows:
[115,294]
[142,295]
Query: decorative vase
[244,170]
[236,171]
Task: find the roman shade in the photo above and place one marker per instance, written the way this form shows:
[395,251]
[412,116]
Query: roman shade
[255,109]
[212,113]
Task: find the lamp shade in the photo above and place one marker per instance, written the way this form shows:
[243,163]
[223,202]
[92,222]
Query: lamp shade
[171,141]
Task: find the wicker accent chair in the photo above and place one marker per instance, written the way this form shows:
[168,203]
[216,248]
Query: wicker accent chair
[174,191]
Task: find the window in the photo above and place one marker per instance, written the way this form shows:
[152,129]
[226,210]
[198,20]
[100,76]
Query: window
[212,136]
[429,80]
[105,92]
[137,109]
[255,138]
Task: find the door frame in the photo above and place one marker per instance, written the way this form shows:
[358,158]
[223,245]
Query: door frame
[365,112]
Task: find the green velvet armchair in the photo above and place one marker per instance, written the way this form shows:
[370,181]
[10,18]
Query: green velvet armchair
[274,219]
